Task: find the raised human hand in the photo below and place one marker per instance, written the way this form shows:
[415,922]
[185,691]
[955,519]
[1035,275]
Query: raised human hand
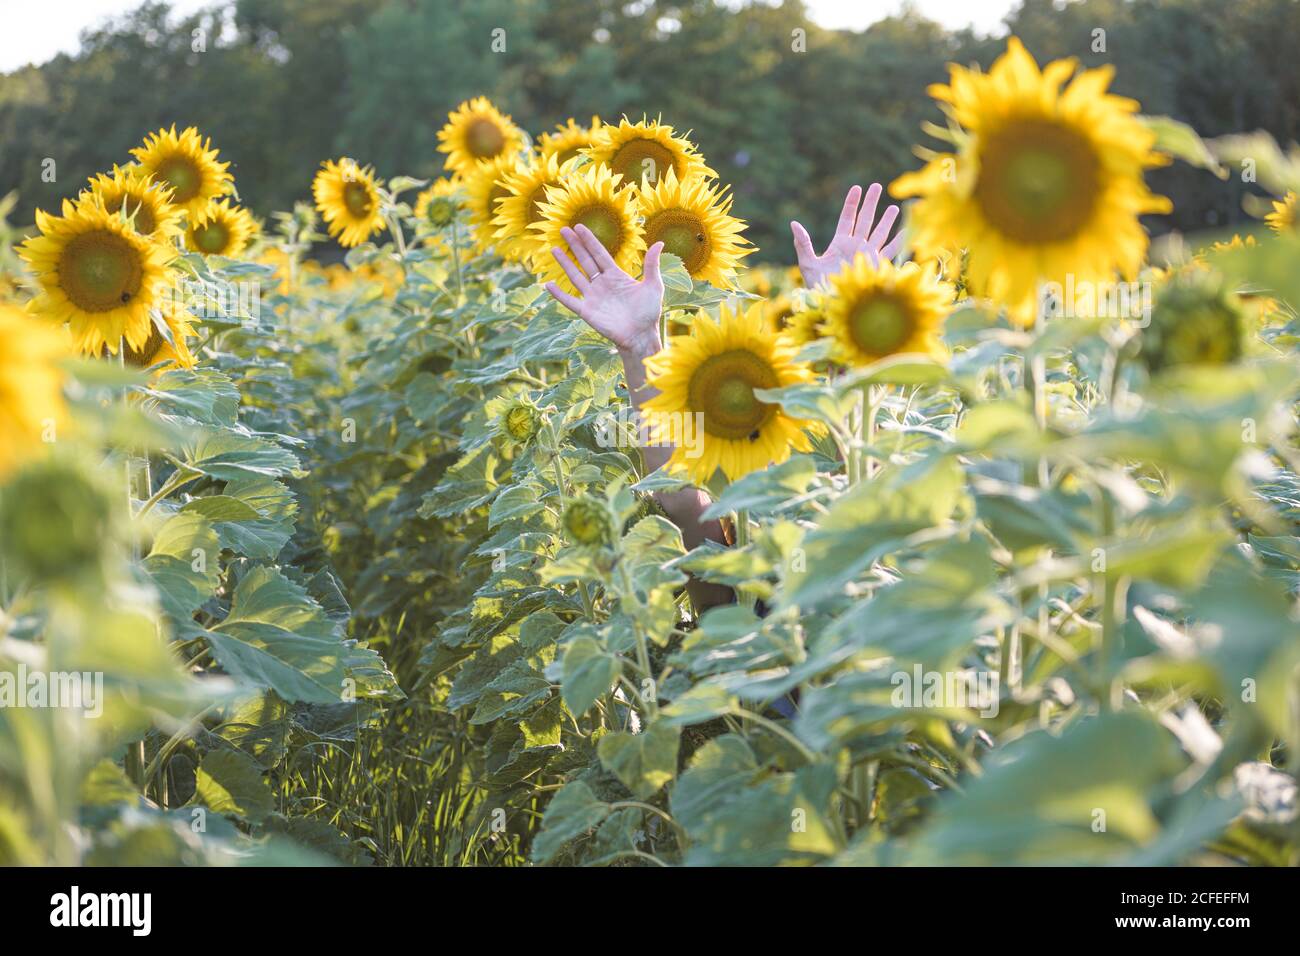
[853,235]
[623,309]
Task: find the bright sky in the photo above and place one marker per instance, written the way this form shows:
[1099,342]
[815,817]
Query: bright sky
[36,31]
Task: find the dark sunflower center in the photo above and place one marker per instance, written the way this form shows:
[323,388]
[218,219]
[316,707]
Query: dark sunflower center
[144,356]
[569,153]
[140,214]
[879,325]
[1038,181]
[497,194]
[358,199]
[535,203]
[640,158]
[484,138]
[604,224]
[723,389]
[682,234]
[100,271]
[182,175]
[1203,338]
[212,238]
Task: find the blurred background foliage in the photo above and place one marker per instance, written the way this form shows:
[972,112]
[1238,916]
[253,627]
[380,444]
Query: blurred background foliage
[284,84]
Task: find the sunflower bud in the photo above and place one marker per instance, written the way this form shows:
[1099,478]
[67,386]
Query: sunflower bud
[586,522]
[520,421]
[54,520]
[440,211]
[1196,321]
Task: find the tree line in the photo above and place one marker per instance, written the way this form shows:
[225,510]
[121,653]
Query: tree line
[789,113]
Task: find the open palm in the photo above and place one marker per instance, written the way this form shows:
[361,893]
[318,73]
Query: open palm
[623,309]
[853,235]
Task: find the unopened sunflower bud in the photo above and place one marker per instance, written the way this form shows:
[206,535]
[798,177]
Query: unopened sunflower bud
[55,518]
[1197,320]
[520,421]
[587,522]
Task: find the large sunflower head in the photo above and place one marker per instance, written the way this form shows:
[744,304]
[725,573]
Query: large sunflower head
[97,274]
[646,151]
[1282,218]
[693,221]
[591,196]
[226,231]
[1045,181]
[437,205]
[525,190]
[710,376]
[188,164]
[32,410]
[485,187]
[567,141]
[1197,320]
[144,203]
[348,198]
[875,310]
[477,132]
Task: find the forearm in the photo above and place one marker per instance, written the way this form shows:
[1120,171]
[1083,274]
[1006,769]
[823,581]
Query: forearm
[685,506]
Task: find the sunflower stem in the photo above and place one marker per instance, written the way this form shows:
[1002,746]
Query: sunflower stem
[455,258]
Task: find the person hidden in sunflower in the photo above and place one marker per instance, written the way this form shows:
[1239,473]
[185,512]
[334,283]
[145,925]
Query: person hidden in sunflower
[715,369]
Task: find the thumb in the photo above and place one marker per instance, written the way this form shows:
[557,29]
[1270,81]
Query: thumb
[803,246]
[650,272]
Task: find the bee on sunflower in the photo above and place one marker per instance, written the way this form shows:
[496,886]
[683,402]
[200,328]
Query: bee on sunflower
[347,196]
[876,310]
[227,231]
[568,140]
[693,221]
[144,203]
[1044,182]
[189,166]
[477,132]
[645,151]
[593,197]
[31,386]
[98,275]
[714,372]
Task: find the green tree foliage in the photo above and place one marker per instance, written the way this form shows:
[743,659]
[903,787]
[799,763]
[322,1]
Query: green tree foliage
[789,118]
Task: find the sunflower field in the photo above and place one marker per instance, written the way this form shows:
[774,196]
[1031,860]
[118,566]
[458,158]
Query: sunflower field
[991,546]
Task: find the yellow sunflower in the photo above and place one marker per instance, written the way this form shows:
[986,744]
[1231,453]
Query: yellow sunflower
[875,311]
[712,373]
[484,188]
[144,203]
[525,191]
[475,133]
[805,326]
[167,349]
[646,150]
[32,410]
[593,197]
[97,274]
[1282,218]
[227,231]
[348,199]
[1044,182]
[437,204]
[567,141]
[692,219]
[189,165]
